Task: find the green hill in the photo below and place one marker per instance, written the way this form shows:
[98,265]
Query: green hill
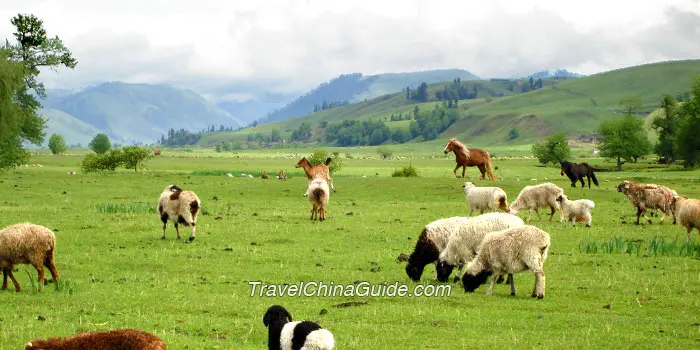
[574,106]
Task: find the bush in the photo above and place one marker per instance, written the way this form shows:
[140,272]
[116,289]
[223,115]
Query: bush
[384,152]
[130,157]
[319,157]
[408,171]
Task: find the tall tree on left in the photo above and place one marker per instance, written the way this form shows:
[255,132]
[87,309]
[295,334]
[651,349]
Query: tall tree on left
[20,64]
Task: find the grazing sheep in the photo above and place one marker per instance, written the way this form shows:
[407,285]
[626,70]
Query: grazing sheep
[180,207]
[27,244]
[539,196]
[281,176]
[315,171]
[283,334]
[431,242]
[463,243]
[509,251]
[485,198]
[265,175]
[647,196]
[575,209]
[319,195]
[117,339]
[688,213]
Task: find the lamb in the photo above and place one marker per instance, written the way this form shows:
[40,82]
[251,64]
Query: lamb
[576,209]
[463,243]
[283,334]
[485,198]
[117,339]
[27,244]
[688,213]
[319,195]
[431,242]
[539,196]
[647,196]
[179,206]
[509,251]
[315,171]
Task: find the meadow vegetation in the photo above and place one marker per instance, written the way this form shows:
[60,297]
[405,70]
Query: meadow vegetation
[614,285]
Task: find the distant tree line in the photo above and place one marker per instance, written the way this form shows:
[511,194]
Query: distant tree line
[429,125]
[328,105]
[180,137]
[221,128]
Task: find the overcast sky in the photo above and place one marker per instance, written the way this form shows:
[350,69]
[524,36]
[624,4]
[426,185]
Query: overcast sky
[292,46]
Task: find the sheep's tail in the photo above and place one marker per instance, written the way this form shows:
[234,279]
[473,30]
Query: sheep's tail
[194,207]
[317,194]
[489,168]
[329,160]
[595,181]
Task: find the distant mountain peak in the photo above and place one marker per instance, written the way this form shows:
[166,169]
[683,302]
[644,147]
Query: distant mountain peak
[554,73]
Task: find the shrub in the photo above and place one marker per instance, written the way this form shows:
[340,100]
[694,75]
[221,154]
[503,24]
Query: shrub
[384,152]
[320,156]
[408,171]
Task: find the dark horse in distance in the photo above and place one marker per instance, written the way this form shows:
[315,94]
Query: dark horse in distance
[470,157]
[576,172]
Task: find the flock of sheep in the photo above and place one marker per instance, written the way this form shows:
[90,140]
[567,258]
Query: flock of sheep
[491,244]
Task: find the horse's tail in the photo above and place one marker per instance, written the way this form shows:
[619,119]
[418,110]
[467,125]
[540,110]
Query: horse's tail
[489,168]
[595,181]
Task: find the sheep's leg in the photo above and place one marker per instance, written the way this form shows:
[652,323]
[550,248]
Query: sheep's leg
[512,284]
[8,272]
[509,280]
[663,216]
[194,232]
[690,230]
[323,213]
[589,220]
[551,214]
[164,219]
[313,212]
[644,213]
[493,282]
[40,269]
[538,292]
[177,229]
[49,263]
[4,279]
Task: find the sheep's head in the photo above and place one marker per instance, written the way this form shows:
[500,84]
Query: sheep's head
[468,186]
[414,272]
[276,314]
[561,198]
[443,270]
[472,282]
[622,187]
[173,188]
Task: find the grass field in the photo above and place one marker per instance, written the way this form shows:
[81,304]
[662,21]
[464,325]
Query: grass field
[117,272]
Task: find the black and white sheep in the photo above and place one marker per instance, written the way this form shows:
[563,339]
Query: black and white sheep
[509,251]
[27,244]
[539,196]
[485,198]
[464,242]
[431,242]
[179,206]
[284,334]
[576,208]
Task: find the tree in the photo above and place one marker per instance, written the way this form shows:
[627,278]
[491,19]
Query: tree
[687,141]
[554,149]
[631,104]
[57,144]
[19,68]
[134,156]
[275,136]
[100,144]
[320,156]
[384,152]
[513,133]
[666,125]
[623,139]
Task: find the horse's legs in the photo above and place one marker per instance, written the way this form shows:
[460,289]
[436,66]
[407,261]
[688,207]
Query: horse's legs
[455,171]
[482,169]
[464,169]
[583,184]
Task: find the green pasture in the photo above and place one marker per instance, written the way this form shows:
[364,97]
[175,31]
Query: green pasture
[614,285]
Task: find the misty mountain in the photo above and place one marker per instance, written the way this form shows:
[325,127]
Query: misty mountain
[554,73]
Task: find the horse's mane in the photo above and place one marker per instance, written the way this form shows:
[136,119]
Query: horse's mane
[461,148]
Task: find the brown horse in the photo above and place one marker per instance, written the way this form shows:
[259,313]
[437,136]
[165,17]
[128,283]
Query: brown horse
[470,157]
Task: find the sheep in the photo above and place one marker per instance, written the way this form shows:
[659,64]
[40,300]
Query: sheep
[485,198]
[431,242]
[27,244]
[688,213]
[647,196]
[283,334]
[265,175]
[538,196]
[117,339]
[281,176]
[179,206]
[315,171]
[576,209]
[509,251]
[319,195]
[463,243]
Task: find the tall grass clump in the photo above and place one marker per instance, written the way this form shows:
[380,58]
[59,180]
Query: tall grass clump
[408,171]
[124,208]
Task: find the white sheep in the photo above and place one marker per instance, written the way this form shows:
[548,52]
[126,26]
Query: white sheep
[688,213]
[509,251]
[27,244]
[463,243]
[179,206]
[539,196]
[577,208]
[283,334]
[319,194]
[485,198]
[431,242]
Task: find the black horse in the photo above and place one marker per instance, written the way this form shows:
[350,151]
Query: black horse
[576,172]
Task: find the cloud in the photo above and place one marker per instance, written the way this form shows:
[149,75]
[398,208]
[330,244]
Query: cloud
[281,47]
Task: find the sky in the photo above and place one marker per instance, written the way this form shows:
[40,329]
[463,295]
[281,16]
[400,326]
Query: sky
[234,49]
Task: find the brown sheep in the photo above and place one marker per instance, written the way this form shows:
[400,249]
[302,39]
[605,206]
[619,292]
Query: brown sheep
[117,339]
[647,196]
[27,244]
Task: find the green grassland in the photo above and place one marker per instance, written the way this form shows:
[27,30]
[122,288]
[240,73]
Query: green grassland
[573,106]
[117,272]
